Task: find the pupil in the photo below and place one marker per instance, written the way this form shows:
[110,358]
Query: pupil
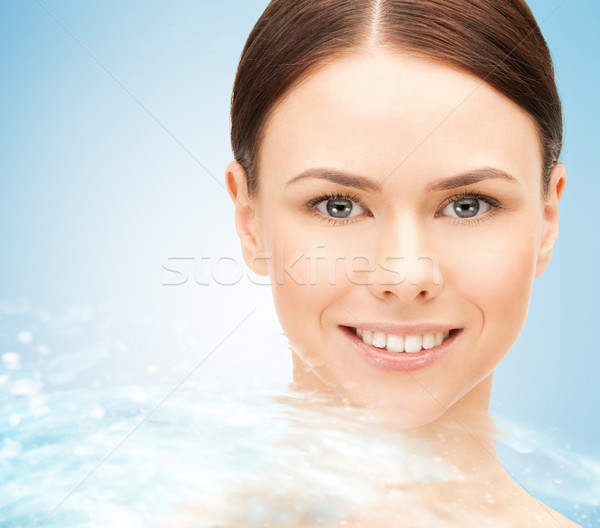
[339,208]
[467,207]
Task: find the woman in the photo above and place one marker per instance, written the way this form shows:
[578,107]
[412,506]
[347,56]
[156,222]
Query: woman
[397,177]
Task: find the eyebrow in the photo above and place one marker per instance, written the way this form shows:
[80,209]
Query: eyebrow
[360,182]
[469,178]
[336,176]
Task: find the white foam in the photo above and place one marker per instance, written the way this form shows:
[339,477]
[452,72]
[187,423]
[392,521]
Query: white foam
[11,360]
[10,449]
[26,387]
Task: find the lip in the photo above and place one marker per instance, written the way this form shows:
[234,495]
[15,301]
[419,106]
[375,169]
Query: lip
[384,360]
[405,329]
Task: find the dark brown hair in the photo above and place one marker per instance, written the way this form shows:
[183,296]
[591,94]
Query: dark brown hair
[499,41]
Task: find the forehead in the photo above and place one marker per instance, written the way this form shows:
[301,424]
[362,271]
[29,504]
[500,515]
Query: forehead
[378,112]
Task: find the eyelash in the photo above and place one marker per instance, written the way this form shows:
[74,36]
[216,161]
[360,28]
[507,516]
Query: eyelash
[493,203]
[311,207]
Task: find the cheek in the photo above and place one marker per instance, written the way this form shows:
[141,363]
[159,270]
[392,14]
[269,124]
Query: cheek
[497,262]
[314,271]
[495,274]
[306,278]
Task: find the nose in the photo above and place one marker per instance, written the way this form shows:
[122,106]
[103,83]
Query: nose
[407,266]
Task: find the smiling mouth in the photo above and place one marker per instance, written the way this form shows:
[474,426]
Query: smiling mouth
[397,344]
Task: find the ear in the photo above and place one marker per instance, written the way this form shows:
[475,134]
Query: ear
[556,187]
[246,223]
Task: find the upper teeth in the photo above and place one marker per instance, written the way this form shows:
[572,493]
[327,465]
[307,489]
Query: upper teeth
[395,343]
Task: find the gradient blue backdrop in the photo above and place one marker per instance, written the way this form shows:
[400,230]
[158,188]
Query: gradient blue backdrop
[113,143]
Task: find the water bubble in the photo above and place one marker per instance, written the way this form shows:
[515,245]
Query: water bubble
[11,360]
[138,395]
[97,412]
[152,369]
[25,337]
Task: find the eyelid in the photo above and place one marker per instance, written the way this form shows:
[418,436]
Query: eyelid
[492,202]
[311,207]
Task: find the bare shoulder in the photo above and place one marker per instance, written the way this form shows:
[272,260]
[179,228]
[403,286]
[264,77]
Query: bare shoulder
[529,511]
[468,505]
[561,520]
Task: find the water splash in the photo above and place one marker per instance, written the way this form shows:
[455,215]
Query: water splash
[222,453]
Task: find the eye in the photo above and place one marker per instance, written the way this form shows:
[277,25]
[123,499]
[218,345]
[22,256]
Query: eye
[340,207]
[467,207]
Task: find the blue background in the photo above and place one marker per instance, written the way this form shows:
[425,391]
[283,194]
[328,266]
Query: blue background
[114,136]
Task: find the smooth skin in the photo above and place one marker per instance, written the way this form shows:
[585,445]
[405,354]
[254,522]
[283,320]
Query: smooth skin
[405,129]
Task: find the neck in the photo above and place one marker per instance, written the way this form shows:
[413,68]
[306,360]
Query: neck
[463,436]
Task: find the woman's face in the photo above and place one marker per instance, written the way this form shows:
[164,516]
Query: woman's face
[398,196]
